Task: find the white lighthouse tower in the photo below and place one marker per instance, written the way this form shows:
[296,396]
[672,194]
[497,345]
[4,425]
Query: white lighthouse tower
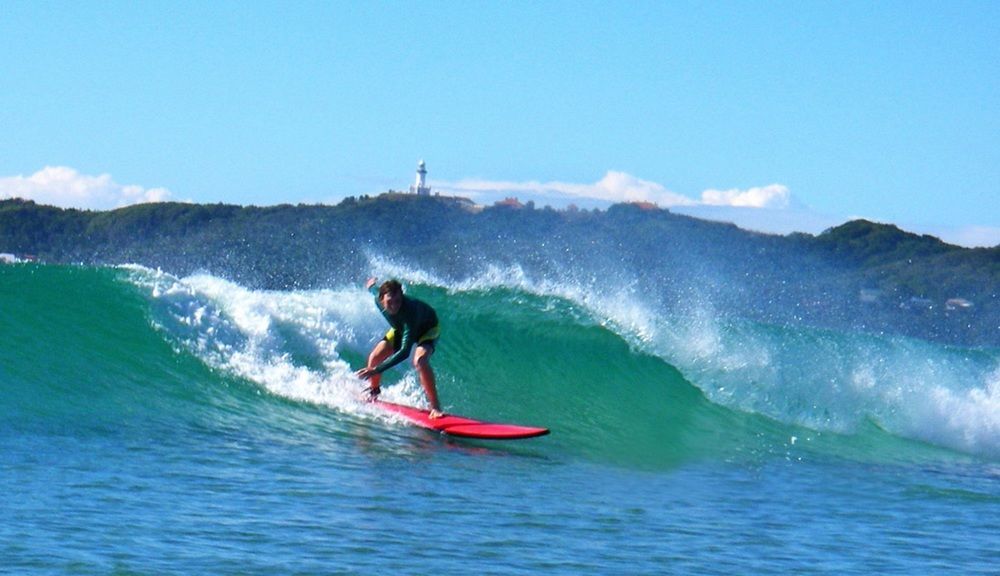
[421,188]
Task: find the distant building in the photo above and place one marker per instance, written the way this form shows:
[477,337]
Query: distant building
[510,202]
[420,187]
[644,205]
[6,258]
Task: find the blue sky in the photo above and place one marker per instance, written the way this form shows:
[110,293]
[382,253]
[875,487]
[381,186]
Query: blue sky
[778,115]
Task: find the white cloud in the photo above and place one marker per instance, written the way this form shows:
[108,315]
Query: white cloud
[614,187]
[773,196]
[65,187]
[618,186]
[768,208]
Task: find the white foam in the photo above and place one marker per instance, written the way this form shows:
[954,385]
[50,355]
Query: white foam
[825,380]
[964,418]
[246,333]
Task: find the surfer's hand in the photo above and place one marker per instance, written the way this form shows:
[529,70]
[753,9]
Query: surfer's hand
[365,373]
[371,282]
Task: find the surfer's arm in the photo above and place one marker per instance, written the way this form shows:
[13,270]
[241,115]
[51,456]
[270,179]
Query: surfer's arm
[405,344]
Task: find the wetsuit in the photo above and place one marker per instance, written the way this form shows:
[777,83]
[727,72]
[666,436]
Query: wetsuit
[415,323]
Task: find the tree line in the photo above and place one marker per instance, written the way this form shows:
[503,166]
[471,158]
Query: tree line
[777,278]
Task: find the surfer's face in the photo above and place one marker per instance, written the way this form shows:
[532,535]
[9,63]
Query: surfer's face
[391,301]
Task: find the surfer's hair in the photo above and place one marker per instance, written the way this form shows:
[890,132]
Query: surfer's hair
[390,286]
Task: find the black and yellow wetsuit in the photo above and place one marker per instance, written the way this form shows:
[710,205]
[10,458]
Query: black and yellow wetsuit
[415,323]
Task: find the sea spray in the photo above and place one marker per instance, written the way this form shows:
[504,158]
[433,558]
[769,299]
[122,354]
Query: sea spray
[285,341]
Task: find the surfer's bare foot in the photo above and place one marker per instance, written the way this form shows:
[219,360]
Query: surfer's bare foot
[435,414]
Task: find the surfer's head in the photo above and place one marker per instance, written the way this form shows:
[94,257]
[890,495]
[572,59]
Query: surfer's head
[390,295]
[389,286]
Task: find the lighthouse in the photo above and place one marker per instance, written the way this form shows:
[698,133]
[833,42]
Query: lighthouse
[421,188]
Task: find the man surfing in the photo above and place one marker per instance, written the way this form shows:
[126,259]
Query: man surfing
[413,322]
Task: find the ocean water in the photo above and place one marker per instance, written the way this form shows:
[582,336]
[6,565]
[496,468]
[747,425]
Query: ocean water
[151,424]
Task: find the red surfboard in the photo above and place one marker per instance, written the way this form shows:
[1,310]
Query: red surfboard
[460,426]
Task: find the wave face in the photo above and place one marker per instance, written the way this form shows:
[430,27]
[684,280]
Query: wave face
[619,376]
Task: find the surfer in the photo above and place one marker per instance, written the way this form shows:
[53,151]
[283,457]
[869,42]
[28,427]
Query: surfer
[412,322]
